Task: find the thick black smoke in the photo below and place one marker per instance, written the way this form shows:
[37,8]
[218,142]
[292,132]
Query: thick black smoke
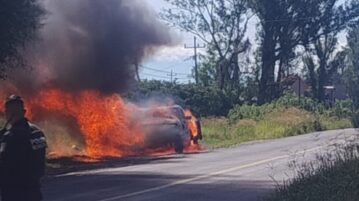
[93,44]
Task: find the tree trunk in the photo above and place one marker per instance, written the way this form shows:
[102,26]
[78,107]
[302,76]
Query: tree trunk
[236,76]
[221,72]
[312,76]
[321,81]
[267,82]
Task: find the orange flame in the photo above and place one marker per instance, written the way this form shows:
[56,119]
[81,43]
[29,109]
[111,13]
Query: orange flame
[191,123]
[195,132]
[101,119]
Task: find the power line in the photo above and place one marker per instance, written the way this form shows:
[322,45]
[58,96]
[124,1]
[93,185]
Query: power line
[171,66]
[154,69]
[183,78]
[167,77]
[156,76]
[288,19]
[161,71]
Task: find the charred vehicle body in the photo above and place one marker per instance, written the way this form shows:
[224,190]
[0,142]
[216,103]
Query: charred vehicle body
[169,126]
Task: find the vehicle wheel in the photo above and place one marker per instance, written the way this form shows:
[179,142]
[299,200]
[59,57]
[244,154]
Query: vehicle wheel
[178,144]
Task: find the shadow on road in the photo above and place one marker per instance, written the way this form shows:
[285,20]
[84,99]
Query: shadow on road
[113,184]
[74,164]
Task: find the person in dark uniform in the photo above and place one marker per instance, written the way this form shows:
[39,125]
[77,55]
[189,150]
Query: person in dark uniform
[22,155]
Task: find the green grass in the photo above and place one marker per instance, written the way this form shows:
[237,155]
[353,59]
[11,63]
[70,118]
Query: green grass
[331,123]
[333,177]
[220,132]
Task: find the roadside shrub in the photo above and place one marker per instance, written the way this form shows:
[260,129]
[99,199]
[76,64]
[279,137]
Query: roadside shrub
[305,103]
[287,101]
[249,112]
[341,109]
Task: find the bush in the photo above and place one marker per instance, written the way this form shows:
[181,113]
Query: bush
[308,104]
[341,109]
[249,112]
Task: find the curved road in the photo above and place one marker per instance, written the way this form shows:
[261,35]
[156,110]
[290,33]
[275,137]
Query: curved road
[244,173]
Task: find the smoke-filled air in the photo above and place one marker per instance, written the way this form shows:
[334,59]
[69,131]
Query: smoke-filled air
[87,44]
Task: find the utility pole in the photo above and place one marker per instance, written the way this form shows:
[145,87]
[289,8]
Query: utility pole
[137,71]
[195,47]
[171,75]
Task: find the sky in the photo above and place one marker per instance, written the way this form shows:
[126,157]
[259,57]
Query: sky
[175,58]
[178,59]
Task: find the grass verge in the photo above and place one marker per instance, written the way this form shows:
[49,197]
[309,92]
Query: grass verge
[333,177]
[285,122]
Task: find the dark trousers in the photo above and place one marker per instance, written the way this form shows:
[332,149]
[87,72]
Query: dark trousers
[17,193]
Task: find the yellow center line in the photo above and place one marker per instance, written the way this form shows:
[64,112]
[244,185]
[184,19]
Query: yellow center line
[185,181]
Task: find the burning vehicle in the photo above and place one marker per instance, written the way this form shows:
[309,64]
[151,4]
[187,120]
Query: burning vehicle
[73,90]
[93,125]
[169,126]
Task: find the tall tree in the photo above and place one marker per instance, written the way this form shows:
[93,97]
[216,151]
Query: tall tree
[222,25]
[322,62]
[286,25]
[352,71]
[19,21]
[322,56]
[278,36]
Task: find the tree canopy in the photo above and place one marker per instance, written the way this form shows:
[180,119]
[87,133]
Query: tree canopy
[222,25]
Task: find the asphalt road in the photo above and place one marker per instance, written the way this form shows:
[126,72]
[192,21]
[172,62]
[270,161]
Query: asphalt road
[244,173]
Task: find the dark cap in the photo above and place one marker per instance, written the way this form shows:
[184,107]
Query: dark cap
[14,99]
